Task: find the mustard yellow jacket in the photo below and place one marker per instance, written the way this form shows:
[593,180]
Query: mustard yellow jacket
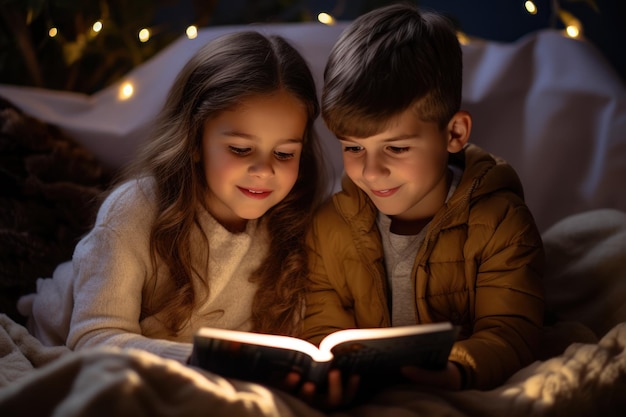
[480,267]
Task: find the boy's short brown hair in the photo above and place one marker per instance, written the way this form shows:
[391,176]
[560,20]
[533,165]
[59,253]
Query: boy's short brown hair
[386,61]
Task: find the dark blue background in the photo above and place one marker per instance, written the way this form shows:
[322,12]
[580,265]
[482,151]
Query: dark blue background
[498,20]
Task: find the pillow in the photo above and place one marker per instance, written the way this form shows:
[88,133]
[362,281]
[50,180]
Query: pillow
[585,279]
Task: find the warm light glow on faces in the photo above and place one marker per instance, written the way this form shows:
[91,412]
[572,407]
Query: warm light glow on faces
[251,156]
[326,19]
[144,35]
[126,91]
[192,32]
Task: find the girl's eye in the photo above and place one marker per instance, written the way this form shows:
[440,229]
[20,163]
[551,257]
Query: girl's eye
[239,151]
[352,148]
[398,149]
[283,156]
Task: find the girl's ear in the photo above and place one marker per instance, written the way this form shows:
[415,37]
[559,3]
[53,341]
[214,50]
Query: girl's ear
[459,129]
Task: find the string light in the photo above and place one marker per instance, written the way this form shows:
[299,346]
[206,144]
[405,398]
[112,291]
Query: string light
[530,7]
[126,91]
[572,31]
[326,19]
[144,35]
[573,27]
[192,32]
[97,27]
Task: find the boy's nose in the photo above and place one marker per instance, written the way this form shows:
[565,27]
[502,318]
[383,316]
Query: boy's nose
[373,167]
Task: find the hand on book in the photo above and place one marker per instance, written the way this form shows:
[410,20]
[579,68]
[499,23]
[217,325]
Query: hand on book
[449,378]
[335,394]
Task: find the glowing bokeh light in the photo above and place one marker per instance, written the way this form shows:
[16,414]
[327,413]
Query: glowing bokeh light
[572,31]
[144,35]
[530,7]
[192,32]
[126,91]
[326,19]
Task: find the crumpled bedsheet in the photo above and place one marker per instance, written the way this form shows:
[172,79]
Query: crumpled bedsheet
[585,376]
[587,379]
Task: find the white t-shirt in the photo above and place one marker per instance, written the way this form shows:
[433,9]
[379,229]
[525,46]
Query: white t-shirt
[400,252]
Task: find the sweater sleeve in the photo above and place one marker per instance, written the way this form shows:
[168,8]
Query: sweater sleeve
[111,265]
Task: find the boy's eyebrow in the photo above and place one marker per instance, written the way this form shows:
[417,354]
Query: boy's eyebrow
[401,137]
[389,139]
[248,136]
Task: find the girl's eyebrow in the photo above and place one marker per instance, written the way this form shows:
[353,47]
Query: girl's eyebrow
[248,136]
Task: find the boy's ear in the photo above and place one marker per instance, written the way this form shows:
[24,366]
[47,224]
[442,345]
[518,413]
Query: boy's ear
[459,129]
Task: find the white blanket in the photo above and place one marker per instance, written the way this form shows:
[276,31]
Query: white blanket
[586,380]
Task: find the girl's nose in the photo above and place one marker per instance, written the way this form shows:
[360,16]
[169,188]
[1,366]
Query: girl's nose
[262,167]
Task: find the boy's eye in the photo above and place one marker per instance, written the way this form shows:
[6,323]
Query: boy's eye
[398,149]
[282,156]
[352,148]
[239,151]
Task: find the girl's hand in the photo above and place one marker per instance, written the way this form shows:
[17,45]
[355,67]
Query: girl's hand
[449,378]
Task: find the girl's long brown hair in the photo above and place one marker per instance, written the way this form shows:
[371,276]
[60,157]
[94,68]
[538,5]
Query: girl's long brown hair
[219,76]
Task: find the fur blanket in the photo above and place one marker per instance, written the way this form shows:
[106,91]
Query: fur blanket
[586,263]
[47,201]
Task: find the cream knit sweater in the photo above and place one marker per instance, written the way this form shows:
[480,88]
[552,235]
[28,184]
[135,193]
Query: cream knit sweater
[97,300]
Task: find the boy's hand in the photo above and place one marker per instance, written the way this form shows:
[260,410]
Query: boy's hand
[336,394]
[449,378]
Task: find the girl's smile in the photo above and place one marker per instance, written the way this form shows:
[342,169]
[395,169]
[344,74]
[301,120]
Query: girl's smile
[255,193]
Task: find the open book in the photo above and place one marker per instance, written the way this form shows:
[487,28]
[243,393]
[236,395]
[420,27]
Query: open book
[368,352]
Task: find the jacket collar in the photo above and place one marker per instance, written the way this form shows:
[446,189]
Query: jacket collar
[483,174]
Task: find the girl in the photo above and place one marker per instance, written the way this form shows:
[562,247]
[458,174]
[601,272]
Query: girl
[207,228]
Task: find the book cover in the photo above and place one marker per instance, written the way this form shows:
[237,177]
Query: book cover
[377,352]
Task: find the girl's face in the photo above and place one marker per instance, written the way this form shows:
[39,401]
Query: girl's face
[251,156]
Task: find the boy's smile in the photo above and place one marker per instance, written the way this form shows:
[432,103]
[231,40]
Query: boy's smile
[403,169]
[385,193]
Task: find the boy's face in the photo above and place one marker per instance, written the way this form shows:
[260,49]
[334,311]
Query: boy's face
[404,168]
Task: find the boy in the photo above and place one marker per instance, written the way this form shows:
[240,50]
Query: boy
[427,227]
